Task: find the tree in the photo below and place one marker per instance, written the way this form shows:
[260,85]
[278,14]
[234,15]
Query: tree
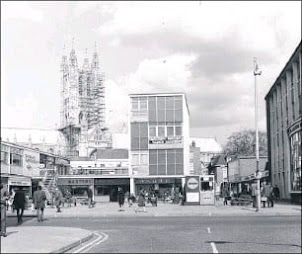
[244,143]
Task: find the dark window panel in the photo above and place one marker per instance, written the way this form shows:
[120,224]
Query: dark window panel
[179,169]
[171,169]
[162,169]
[153,169]
[153,157]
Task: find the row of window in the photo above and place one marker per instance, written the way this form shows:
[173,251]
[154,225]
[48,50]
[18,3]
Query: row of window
[166,162]
[160,109]
[165,131]
[15,159]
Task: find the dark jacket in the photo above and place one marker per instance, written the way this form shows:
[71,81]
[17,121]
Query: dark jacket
[19,200]
[120,197]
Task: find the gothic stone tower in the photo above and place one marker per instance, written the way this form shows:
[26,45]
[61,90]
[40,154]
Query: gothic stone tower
[82,104]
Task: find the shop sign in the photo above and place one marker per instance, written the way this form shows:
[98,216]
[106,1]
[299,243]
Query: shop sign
[120,181]
[294,128]
[192,183]
[19,182]
[155,180]
[165,140]
[80,182]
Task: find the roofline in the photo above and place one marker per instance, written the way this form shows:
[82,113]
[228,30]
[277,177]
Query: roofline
[161,94]
[284,69]
[33,149]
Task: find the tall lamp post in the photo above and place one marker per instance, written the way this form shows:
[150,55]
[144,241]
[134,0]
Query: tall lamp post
[257,72]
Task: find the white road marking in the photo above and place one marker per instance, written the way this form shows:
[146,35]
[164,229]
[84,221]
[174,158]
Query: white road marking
[210,214]
[101,238]
[209,230]
[214,247]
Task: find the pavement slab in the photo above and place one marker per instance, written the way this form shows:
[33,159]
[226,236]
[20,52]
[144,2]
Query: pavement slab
[43,239]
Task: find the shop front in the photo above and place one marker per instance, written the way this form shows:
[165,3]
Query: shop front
[77,186]
[20,181]
[106,188]
[159,185]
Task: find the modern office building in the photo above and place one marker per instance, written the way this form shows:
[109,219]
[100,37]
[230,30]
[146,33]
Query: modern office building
[159,141]
[284,110]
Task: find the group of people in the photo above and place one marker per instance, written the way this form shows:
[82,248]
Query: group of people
[19,204]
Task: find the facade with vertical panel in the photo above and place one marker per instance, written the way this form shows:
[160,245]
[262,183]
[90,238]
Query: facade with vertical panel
[284,110]
[159,145]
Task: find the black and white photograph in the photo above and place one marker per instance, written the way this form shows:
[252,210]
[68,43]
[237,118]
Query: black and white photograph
[151,127]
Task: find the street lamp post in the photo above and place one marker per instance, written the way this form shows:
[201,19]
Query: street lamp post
[257,72]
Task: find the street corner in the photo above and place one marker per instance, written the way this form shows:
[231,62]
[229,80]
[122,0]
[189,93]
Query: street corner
[47,239]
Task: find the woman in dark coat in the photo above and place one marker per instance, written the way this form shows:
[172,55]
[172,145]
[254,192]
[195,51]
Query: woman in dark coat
[120,197]
[19,203]
[141,201]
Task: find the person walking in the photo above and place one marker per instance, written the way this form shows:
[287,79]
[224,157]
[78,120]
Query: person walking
[276,192]
[225,195]
[39,202]
[90,197]
[141,201]
[58,199]
[19,203]
[254,193]
[271,196]
[120,198]
[68,198]
[4,195]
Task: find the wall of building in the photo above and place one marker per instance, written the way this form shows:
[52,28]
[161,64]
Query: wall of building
[284,128]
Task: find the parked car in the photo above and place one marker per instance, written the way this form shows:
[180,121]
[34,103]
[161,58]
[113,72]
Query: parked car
[242,199]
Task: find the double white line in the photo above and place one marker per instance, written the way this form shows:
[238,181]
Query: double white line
[100,238]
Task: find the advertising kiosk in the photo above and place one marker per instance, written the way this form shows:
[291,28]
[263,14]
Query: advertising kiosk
[192,187]
[207,190]
[199,190]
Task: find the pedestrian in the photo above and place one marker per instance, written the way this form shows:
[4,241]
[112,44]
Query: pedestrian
[176,196]
[225,195]
[131,199]
[127,195]
[172,195]
[271,196]
[68,198]
[265,193]
[254,193]
[4,195]
[11,200]
[120,198]
[19,203]
[58,199]
[276,192]
[90,197]
[39,199]
[141,201]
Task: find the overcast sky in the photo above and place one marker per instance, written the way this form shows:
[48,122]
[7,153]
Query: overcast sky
[204,49]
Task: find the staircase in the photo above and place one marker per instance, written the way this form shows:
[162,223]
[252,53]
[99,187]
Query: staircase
[49,184]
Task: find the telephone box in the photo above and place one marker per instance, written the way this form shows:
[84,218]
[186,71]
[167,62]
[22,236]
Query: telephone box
[207,190]
[192,188]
